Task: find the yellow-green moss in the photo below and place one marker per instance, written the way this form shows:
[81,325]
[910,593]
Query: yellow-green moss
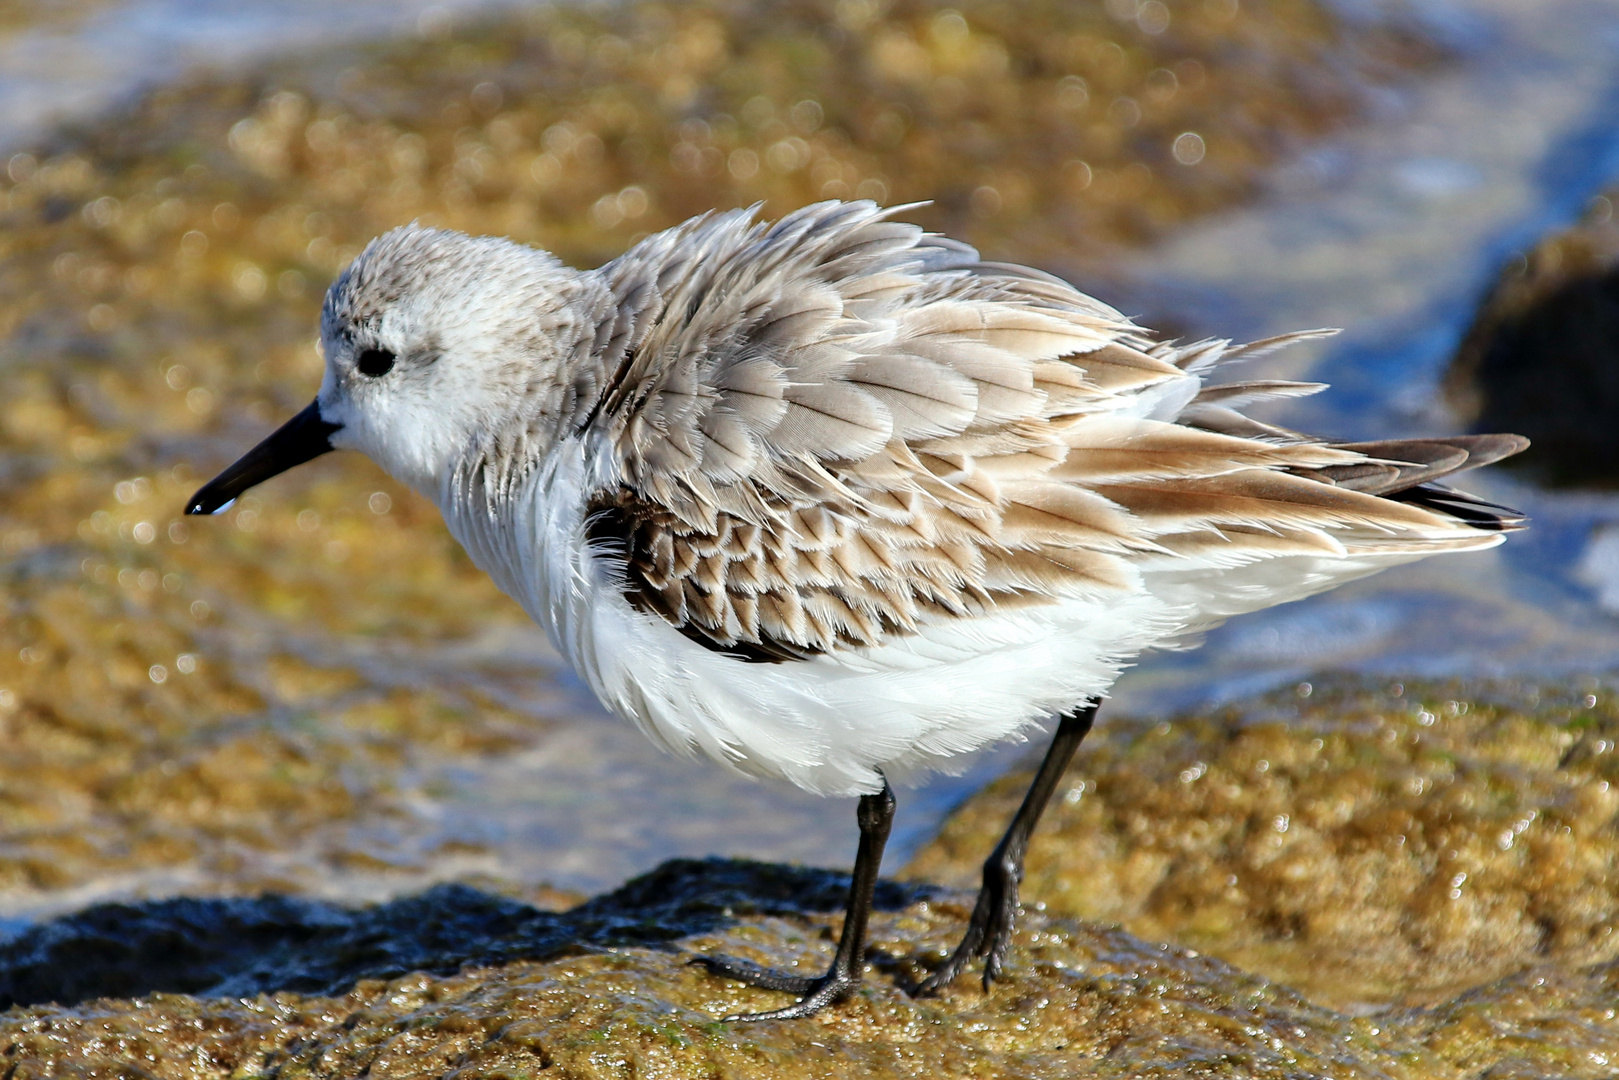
[1079,1000]
[1366,844]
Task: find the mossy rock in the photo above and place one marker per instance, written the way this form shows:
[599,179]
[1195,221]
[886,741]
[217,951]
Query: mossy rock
[1371,844]
[608,991]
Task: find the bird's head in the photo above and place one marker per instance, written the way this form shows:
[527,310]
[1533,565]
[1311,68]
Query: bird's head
[432,340]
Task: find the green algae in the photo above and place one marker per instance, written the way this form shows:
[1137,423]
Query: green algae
[1367,844]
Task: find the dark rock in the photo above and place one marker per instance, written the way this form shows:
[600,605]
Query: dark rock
[1542,356]
[238,946]
[1077,1000]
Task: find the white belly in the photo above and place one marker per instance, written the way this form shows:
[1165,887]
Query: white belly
[834,724]
[838,723]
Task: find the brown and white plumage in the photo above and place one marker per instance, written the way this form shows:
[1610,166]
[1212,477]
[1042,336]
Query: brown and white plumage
[836,429]
[832,498]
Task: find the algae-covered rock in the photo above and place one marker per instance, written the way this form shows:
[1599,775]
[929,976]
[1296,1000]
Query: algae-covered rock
[606,990]
[1364,843]
[1542,355]
[1425,872]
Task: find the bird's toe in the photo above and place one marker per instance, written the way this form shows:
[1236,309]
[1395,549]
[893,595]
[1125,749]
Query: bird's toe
[746,971]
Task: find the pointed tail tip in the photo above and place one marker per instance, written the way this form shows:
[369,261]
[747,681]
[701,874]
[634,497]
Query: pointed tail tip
[1488,449]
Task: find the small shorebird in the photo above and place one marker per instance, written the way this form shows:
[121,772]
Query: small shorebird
[833,500]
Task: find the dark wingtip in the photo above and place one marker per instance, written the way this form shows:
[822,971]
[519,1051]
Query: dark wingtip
[1477,512]
[1488,449]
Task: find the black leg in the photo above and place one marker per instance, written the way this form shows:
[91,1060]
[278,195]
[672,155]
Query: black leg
[876,816]
[989,932]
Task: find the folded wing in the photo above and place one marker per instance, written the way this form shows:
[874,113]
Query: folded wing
[834,430]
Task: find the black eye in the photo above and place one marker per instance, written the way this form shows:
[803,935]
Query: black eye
[375,362]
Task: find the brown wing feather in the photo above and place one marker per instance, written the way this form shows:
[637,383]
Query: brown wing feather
[836,428]
[1396,465]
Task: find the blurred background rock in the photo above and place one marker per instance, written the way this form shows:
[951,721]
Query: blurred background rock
[1542,356]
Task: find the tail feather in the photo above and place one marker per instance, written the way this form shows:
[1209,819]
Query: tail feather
[1401,470]
[1404,470]
[1477,512]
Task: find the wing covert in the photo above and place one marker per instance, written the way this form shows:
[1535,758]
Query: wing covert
[829,431]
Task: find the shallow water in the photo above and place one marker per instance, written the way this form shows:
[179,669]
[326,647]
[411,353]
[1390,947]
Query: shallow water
[1391,231]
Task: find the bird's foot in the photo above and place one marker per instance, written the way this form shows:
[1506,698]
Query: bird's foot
[814,994]
[989,935]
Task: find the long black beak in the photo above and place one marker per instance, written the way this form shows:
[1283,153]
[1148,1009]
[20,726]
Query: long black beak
[303,437]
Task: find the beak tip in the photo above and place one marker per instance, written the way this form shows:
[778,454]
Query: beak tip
[205,503]
[303,437]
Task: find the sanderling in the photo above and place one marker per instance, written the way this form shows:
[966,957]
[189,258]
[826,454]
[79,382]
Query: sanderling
[833,500]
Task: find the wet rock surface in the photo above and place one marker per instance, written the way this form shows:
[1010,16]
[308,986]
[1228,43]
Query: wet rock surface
[232,947]
[1370,844]
[607,990]
[1425,872]
[1542,355]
